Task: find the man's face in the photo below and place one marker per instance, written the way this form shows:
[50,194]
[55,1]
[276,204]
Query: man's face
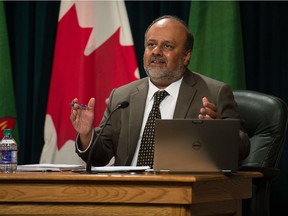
[165,59]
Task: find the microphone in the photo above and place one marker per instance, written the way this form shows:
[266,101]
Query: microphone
[121,105]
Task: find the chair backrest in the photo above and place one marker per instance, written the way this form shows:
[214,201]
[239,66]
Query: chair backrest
[265,119]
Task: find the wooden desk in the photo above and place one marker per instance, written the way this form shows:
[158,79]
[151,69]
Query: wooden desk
[146,194]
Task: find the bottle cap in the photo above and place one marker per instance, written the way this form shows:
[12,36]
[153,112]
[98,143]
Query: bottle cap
[7,131]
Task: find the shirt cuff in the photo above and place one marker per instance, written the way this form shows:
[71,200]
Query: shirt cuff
[77,143]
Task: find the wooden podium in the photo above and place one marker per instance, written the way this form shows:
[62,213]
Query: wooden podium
[66,193]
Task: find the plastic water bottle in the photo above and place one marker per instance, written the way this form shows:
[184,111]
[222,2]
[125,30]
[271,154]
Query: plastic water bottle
[8,153]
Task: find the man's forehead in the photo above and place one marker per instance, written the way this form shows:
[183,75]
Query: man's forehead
[161,22]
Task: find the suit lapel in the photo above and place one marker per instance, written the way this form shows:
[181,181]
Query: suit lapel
[138,100]
[186,96]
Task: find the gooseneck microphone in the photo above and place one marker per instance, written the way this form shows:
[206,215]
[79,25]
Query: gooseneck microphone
[121,105]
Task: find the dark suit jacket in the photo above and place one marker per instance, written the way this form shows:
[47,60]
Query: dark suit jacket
[121,134]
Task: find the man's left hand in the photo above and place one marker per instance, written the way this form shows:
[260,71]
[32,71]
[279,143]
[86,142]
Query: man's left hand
[208,111]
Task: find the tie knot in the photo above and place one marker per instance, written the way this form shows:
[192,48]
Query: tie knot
[159,96]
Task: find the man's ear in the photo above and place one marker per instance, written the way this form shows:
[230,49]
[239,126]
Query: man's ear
[187,57]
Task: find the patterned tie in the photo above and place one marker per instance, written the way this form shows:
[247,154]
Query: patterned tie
[146,152]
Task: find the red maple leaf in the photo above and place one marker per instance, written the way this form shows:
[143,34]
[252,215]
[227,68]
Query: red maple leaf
[76,75]
[6,123]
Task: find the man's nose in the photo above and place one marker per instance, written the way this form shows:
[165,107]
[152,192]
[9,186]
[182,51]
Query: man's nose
[157,50]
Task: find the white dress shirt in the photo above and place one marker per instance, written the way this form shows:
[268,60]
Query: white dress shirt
[167,108]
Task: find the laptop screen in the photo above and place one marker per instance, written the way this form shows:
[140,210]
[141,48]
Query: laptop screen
[193,145]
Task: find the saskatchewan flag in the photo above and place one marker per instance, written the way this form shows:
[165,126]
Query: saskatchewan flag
[7,100]
[218,50]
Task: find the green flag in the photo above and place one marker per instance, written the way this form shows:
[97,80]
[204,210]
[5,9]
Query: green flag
[7,100]
[218,50]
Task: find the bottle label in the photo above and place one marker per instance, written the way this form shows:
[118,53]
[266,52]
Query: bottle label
[8,156]
[8,141]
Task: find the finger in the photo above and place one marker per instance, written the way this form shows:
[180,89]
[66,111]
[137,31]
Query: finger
[72,116]
[203,111]
[74,103]
[208,111]
[210,107]
[204,117]
[91,104]
[212,114]
[75,100]
[200,116]
[205,101]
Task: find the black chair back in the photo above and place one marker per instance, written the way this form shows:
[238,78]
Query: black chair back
[265,119]
[266,124]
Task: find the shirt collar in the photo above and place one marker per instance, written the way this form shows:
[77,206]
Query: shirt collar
[172,89]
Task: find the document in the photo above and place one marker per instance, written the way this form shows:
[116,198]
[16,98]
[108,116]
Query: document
[76,167]
[49,167]
[106,169]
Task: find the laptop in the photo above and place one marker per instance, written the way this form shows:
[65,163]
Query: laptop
[196,146]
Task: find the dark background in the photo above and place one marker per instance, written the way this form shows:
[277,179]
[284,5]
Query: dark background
[32,32]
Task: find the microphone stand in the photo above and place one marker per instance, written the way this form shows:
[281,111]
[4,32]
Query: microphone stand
[89,163]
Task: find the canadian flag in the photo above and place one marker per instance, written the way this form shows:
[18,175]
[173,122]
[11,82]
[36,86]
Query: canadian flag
[94,53]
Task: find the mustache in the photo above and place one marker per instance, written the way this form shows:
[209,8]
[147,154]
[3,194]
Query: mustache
[158,59]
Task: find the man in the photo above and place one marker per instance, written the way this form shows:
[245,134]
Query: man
[168,49]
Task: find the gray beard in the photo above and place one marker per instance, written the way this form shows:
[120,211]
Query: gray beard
[166,75]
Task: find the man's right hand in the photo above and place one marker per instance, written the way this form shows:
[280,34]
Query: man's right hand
[82,120]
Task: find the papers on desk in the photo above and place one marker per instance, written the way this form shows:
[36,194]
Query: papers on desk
[49,167]
[120,169]
[73,167]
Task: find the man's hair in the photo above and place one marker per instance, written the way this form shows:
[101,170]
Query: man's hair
[189,36]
